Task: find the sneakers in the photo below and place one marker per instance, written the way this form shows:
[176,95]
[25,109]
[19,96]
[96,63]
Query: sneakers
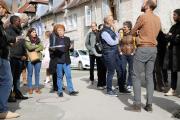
[73,93]
[129,88]
[46,81]
[171,92]
[60,94]
[125,91]
[112,93]
[8,115]
[148,108]
[100,88]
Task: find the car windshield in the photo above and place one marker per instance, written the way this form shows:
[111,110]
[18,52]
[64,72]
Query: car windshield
[83,52]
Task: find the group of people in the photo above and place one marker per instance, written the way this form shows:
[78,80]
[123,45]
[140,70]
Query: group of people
[17,50]
[141,49]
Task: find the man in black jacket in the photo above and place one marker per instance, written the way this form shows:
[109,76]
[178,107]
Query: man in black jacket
[5,70]
[17,57]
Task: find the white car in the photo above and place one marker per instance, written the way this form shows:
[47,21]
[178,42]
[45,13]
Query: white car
[80,59]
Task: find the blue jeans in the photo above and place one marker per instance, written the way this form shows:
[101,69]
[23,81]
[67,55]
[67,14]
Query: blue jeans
[5,84]
[112,62]
[127,59]
[37,67]
[16,68]
[67,71]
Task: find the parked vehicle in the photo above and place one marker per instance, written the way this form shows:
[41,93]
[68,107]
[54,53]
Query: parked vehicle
[80,59]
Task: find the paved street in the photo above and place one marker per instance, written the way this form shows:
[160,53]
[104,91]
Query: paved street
[90,104]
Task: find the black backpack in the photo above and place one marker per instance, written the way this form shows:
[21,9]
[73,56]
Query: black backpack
[98,45]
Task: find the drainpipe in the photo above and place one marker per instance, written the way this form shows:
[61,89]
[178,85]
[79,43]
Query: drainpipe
[95,9]
[66,10]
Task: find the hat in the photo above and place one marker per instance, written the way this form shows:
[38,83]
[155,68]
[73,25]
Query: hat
[3,4]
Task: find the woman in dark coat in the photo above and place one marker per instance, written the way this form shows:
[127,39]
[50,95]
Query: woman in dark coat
[172,60]
[60,46]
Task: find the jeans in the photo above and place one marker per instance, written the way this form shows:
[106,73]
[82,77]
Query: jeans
[5,84]
[113,62]
[92,63]
[101,72]
[37,68]
[16,68]
[67,70]
[143,61]
[127,59]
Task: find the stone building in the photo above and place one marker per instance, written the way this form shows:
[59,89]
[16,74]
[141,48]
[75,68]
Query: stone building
[77,15]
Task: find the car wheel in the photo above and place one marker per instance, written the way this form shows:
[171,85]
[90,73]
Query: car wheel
[80,66]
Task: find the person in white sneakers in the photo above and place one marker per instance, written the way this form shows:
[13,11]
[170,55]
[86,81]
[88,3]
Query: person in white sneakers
[46,58]
[5,69]
[172,55]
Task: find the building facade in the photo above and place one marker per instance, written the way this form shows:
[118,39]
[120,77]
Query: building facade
[77,15]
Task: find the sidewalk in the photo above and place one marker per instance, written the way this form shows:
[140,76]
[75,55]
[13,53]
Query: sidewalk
[91,104]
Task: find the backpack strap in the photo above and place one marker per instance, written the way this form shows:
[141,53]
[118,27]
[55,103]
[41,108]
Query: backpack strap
[89,38]
[54,40]
[134,41]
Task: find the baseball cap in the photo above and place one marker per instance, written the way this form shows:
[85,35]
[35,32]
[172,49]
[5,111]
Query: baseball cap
[3,4]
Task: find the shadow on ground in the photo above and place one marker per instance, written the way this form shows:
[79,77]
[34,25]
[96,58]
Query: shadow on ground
[166,104]
[14,106]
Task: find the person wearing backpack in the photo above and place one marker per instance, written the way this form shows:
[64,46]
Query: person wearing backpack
[101,68]
[90,45]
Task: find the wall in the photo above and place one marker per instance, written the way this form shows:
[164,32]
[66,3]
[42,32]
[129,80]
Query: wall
[130,10]
[79,34]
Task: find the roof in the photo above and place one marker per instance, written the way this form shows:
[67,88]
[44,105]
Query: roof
[74,3]
[70,4]
[61,7]
[39,2]
[27,8]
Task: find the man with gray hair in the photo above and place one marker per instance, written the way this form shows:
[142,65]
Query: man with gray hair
[148,26]
[110,40]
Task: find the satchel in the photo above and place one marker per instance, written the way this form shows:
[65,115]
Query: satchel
[33,56]
[98,47]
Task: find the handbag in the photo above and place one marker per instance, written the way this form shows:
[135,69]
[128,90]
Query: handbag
[98,47]
[33,56]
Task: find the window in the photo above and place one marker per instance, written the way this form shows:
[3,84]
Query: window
[88,16]
[71,22]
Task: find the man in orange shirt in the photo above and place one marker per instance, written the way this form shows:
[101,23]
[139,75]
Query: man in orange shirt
[148,26]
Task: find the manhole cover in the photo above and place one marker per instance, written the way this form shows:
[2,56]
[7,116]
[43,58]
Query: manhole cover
[53,100]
